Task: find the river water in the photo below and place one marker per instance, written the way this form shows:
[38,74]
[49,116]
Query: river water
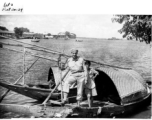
[114,52]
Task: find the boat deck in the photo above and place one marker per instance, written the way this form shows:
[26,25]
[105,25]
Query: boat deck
[96,103]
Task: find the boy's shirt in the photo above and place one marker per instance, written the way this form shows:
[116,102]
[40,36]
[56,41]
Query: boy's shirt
[90,84]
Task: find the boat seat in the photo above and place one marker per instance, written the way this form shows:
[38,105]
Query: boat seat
[44,85]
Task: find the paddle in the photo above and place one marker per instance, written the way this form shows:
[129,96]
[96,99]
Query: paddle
[48,97]
[18,79]
[59,59]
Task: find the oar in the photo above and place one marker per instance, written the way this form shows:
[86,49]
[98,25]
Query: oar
[45,101]
[59,65]
[18,80]
[24,52]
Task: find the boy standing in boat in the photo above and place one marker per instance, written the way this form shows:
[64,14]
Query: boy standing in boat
[78,73]
[90,88]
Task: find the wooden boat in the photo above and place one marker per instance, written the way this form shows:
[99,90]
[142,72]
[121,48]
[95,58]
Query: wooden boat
[32,92]
[35,40]
[99,109]
[78,40]
[120,92]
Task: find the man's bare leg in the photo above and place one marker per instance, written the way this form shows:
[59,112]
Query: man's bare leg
[78,102]
[65,99]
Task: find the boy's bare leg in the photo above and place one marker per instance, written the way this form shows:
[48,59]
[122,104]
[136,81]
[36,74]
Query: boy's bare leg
[89,101]
[65,99]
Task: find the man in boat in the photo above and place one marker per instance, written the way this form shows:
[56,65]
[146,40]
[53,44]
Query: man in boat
[78,74]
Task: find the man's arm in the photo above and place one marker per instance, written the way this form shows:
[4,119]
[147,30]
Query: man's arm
[64,65]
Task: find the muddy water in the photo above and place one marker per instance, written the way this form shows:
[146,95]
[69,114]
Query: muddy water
[114,52]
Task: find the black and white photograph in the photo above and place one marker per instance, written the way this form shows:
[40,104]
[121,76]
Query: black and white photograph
[70,60]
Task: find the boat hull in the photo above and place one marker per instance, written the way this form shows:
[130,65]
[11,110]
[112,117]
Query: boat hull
[35,40]
[99,109]
[35,93]
[104,110]
[112,110]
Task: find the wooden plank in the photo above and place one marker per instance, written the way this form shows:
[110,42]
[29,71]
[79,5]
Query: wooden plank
[54,102]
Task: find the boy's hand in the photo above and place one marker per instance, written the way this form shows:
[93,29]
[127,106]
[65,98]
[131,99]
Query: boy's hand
[96,75]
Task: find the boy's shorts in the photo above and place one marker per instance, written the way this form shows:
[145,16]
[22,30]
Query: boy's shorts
[91,92]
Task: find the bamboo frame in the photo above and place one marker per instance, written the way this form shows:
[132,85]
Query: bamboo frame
[18,79]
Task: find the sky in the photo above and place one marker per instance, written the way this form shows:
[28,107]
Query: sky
[87,25]
[85,18]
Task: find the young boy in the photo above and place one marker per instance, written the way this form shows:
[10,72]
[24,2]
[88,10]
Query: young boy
[90,88]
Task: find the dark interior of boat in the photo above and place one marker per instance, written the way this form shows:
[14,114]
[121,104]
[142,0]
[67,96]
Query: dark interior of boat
[50,84]
[106,89]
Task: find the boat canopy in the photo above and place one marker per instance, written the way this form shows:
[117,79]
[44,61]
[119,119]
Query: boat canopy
[123,85]
[120,86]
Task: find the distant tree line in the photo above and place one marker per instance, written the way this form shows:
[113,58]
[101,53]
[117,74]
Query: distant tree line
[3,28]
[113,38]
[66,35]
[49,34]
[19,31]
[135,27]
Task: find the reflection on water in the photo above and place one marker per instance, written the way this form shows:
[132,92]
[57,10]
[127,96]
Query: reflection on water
[118,53]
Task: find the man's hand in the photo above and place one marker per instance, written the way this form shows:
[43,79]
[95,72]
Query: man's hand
[62,66]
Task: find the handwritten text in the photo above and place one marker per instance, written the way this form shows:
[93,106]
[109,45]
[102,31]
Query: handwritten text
[8,7]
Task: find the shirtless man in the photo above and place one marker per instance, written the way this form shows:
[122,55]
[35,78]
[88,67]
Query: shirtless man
[78,73]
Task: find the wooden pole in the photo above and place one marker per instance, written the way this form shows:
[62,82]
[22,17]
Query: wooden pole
[48,97]
[59,65]
[18,80]
[24,66]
